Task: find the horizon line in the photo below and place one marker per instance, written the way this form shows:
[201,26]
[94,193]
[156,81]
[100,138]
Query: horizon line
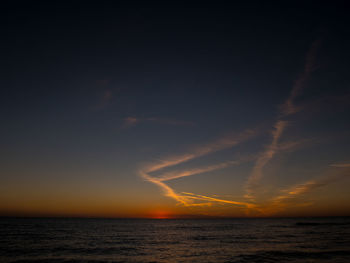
[190,217]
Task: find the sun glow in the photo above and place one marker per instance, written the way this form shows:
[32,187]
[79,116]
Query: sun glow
[160,215]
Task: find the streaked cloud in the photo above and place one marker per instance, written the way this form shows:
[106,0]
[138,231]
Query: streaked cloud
[167,190]
[289,107]
[189,199]
[341,165]
[153,172]
[286,109]
[217,145]
[178,174]
[214,199]
[264,158]
[291,195]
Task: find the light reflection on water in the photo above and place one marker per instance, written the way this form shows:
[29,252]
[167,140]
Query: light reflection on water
[176,240]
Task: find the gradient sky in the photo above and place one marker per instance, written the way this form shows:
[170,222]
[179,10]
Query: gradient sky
[175,111]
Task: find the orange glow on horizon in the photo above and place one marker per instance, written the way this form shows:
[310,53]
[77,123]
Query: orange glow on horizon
[161,215]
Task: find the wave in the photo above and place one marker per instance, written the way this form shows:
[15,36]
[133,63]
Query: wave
[278,256]
[321,223]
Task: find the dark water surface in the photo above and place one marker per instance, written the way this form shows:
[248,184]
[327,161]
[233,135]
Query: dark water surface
[177,240]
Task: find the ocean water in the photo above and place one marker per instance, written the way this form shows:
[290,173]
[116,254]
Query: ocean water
[175,240]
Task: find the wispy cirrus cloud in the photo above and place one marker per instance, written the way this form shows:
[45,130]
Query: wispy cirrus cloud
[264,158]
[184,173]
[341,165]
[167,190]
[153,171]
[217,200]
[288,108]
[217,145]
[178,174]
[290,195]
[187,199]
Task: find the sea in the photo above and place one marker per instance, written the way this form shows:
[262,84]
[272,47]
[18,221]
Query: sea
[175,240]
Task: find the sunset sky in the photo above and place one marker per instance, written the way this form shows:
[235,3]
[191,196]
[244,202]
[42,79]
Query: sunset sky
[175,111]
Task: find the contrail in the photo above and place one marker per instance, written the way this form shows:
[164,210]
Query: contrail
[289,195]
[264,158]
[175,175]
[168,191]
[288,108]
[218,145]
[341,165]
[203,197]
[188,199]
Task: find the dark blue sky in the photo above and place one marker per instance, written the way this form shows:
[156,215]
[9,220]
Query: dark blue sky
[95,95]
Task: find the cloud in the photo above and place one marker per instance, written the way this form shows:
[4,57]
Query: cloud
[308,186]
[174,175]
[286,109]
[178,174]
[167,190]
[292,145]
[187,199]
[264,158]
[275,147]
[214,199]
[218,145]
[290,195]
[289,106]
[341,165]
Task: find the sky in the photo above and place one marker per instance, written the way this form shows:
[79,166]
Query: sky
[175,111]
